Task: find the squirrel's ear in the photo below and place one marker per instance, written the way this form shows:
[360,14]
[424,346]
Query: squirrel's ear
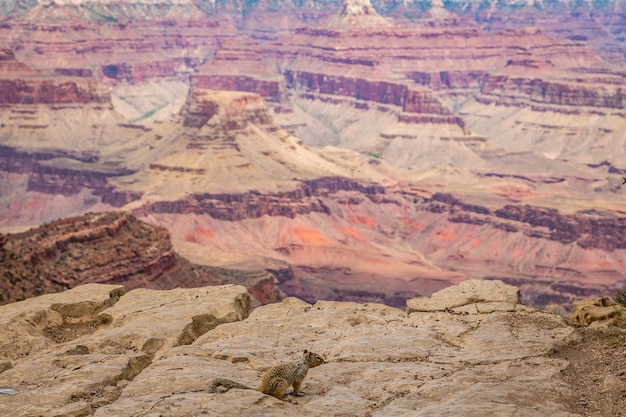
[306,351]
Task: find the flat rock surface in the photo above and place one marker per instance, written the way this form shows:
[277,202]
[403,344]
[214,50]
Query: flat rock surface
[101,352]
[381,361]
[24,323]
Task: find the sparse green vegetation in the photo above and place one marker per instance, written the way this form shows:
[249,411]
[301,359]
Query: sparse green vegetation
[620,297]
[109,19]
[106,18]
[374,155]
[145,115]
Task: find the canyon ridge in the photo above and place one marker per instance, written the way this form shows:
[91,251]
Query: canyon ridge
[356,151]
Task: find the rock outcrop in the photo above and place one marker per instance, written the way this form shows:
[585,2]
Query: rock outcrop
[233,207]
[106,248]
[22,85]
[70,353]
[598,312]
[94,350]
[357,14]
[109,248]
[588,229]
[48,92]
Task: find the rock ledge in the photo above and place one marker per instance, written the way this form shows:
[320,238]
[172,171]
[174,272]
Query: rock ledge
[154,353]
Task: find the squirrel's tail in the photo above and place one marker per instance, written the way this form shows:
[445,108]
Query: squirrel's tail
[222,385]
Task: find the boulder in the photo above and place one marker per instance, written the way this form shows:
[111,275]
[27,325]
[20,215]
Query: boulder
[600,312]
[472,296]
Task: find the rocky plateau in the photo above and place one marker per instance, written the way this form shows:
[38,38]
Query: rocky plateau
[357,151]
[471,349]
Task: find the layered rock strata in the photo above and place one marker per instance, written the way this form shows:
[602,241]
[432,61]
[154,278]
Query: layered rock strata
[22,85]
[223,169]
[108,248]
[524,121]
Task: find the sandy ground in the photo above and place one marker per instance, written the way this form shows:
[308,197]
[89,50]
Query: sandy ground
[597,373]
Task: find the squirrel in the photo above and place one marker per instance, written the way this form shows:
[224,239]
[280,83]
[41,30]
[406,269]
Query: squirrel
[277,379]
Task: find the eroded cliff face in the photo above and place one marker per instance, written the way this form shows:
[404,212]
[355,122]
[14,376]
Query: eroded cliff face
[69,252]
[46,92]
[23,85]
[555,258]
[223,173]
[107,248]
[566,97]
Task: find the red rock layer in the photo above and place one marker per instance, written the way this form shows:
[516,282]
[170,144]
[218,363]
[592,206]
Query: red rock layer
[49,92]
[270,90]
[422,73]
[112,248]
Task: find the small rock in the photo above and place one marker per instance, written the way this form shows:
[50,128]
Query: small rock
[5,364]
[78,350]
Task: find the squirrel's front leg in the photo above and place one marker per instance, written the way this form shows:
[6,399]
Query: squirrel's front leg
[297,384]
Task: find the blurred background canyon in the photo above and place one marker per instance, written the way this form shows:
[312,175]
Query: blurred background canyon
[322,149]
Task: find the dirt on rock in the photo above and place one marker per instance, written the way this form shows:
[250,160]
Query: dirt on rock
[597,372]
[70,331]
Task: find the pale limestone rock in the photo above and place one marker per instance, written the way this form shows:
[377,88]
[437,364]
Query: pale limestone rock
[24,322]
[74,377]
[613,383]
[162,319]
[49,382]
[467,296]
[357,14]
[149,357]
[381,362]
[5,364]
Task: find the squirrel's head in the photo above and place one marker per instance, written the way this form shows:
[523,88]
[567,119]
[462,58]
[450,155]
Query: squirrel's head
[312,359]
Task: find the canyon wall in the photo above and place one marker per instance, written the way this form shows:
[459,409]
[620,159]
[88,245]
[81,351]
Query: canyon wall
[107,248]
[373,151]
